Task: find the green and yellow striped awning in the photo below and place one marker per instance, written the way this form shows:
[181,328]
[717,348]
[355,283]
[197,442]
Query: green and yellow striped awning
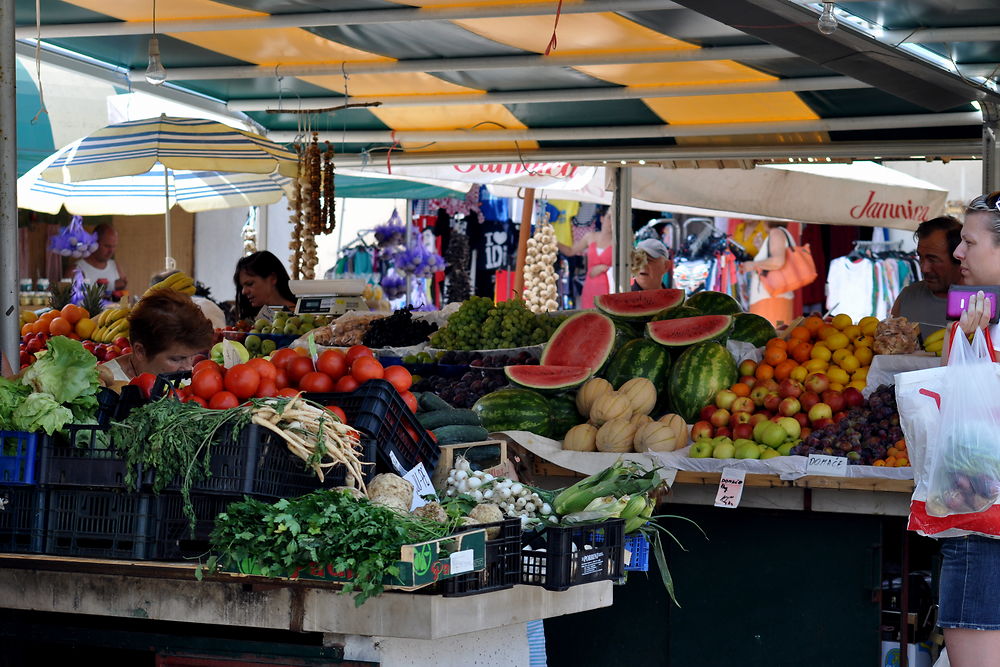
[450,77]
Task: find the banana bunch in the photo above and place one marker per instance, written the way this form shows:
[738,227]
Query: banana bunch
[111,324]
[180,282]
[935,342]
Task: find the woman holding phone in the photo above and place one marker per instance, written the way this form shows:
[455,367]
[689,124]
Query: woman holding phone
[969,596]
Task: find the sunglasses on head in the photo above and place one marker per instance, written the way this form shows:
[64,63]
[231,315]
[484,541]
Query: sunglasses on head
[990,202]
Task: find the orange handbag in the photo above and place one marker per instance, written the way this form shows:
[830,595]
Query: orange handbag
[799,269]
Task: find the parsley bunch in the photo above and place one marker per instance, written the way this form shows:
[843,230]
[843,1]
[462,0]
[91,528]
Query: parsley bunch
[329,527]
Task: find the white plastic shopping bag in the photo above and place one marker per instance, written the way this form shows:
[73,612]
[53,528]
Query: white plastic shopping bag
[936,422]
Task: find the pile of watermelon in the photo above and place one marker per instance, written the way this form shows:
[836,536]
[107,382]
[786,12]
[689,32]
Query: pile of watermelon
[676,343]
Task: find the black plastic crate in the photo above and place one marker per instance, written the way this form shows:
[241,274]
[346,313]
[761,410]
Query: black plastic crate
[503,563]
[97,523]
[22,521]
[18,456]
[173,537]
[377,410]
[83,455]
[573,555]
[256,463]
[107,406]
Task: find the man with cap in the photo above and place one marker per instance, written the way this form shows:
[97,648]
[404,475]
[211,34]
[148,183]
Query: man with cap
[650,262]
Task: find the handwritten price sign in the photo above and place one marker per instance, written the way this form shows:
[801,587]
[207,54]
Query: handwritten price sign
[832,466]
[730,488]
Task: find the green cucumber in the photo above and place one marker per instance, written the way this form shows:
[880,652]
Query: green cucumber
[429,401]
[449,417]
[458,433]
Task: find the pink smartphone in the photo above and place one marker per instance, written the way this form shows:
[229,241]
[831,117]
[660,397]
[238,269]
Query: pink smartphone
[958,300]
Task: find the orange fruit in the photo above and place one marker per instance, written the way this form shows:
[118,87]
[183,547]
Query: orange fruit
[60,327]
[41,325]
[73,313]
[764,371]
[784,369]
[801,352]
[28,327]
[800,333]
[892,451]
[890,461]
[50,315]
[740,389]
[774,355]
[778,343]
[85,327]
[826,331]
[814,324]
[878,463]
[902,461]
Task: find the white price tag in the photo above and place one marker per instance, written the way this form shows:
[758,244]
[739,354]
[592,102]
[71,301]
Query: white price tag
[730,488]
[669,476]
[832,466]
[396,464]
[230,357]
[422,485]
[462,561]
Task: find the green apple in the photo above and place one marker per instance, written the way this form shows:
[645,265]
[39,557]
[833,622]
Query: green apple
[261,323]
[290,330]
[791,426]
[724,450]
[722,440]
[786,449]
[252,343]
[267,346]
[702,449]
[773,435]
[308,319]
[739,442]
[758,430]
[747,450]
[770,454]
[267,330]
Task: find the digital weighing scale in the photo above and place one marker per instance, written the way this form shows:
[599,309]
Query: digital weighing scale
[327,297]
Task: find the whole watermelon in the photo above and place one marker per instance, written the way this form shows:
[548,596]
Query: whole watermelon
[714,303]
[563,414]
[514,410]
[698,374]
[752,329]
[678,313]
[639,358]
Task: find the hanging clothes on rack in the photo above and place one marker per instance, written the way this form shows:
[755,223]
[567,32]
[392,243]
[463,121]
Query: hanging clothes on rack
[866,282]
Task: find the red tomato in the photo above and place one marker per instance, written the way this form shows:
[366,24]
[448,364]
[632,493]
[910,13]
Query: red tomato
[333,363]
[346,384]
[145,383]
[355,352]
[264,368]
[281,379]
[206,384]
[266,388]
[288,392]
[399,377]
[337,411]
[367,368]
[298,368]
[184,393]
[242,380]
[199,400]
[223,400]
[316,382]
[410,400]
[205,364]
[281,357]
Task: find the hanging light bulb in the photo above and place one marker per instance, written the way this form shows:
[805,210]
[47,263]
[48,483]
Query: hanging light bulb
[155,73]
[827,23]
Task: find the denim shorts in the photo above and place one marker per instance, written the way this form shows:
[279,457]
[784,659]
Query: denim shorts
[970,583]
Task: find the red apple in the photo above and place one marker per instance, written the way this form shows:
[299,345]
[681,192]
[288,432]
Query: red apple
[743,404]
[757,418]
[706,413]
[802,418]
[808,399]
[834,399]
[723,432]
[748,380]
[772,385]
[820,411]
[822,423]
[748,367]
[790,388]
[789,406]
[771,402]
[724,398]
[719,418]
[121,341]
[817,383]
[758,394]
[805,432]
[744,431]
[738,418]
[853,398]
[700,430]
[839,416]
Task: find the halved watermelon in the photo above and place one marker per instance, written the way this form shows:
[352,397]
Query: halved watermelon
[584,339]
[689,330]
[545,378]
[642,305]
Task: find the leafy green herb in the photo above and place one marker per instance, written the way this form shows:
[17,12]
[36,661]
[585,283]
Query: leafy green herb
[329,527]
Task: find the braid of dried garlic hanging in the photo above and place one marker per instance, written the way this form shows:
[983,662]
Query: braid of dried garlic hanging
[295,206]
[328,190]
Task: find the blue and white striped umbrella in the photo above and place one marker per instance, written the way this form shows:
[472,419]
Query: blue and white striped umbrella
[147,193]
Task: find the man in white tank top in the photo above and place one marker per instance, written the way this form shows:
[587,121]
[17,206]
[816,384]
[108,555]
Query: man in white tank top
[100,265]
